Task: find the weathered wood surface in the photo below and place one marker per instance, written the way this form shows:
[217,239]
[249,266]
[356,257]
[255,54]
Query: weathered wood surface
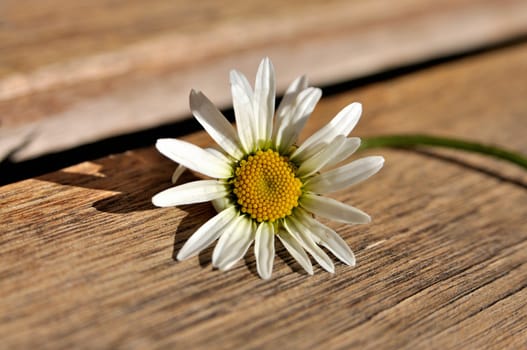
[87,262]
[72,73]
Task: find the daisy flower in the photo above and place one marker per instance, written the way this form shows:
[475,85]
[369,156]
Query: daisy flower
[263,184]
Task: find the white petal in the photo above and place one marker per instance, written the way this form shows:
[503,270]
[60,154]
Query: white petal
[221,203]
[239,79]
[233,244]
[333,209]
[177,173]
[216,125]
[181,169]
[264,250]
[194,157]
[208,233]
[328,238]
[349,147]
[288,101]
[263,101]
[294,122]
[341,124]
[218,154]
[319,160]
[242,98]
[345,176]
[295,249]
[190,192]
[300,232]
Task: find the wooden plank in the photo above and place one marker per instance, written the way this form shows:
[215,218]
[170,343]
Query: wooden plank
[68,78]
[86,261]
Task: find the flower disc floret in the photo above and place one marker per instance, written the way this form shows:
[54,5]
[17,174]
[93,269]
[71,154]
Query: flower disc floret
[265,186]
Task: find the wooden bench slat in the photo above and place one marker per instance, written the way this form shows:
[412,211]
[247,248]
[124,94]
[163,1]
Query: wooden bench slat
[72,74]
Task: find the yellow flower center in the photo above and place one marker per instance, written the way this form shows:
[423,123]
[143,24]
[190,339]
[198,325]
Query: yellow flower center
[266,187]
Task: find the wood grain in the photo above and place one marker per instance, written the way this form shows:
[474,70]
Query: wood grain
[87,262]
[75,72]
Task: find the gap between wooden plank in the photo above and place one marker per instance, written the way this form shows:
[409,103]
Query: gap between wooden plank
[15,171]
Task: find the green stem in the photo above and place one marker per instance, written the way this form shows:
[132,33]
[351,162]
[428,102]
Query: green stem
[409,141]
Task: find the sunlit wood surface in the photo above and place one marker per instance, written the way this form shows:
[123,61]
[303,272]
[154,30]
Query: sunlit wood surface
[87,262]
[73,72]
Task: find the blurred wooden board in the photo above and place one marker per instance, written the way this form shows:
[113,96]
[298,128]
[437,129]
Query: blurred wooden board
[76,72]
[86,261]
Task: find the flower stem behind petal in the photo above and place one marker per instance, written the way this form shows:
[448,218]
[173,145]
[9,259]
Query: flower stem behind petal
[416,140]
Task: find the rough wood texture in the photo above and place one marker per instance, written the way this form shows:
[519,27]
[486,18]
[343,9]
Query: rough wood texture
[75,72]
[86,261]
